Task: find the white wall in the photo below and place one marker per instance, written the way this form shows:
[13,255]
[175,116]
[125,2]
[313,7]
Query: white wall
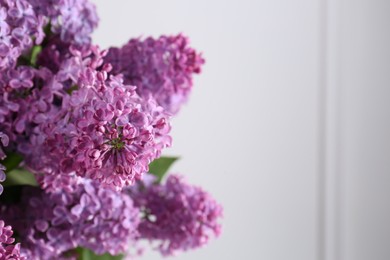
[287,126]
[358,127]
[365,130]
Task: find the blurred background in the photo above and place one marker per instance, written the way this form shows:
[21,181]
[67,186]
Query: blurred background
[288,126]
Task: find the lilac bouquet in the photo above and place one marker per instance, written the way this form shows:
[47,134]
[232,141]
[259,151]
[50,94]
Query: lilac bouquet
[81,136]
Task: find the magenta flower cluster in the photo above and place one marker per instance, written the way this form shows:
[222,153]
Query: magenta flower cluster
[176,215]
[19,25]
[161,68]
[51,224]
[8,249]
[92,125]
[79,127]
[22,24]
[72,20]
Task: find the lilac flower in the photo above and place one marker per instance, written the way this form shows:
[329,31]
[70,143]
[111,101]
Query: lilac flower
[161,68]
[18,26]
[79,19]
[80,120]
[177,215]
[21,21]
[51,224]
[53,54]
[25,108]
[26,99]
[7,248]
[72,20]
[21,77]
[2,177]
[4,142]
[103,130]
[3,20]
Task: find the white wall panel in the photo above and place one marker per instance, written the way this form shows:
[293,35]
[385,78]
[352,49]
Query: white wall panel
[365,72]
[358,127]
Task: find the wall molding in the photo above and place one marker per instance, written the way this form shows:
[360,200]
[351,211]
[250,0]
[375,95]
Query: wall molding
[332,150]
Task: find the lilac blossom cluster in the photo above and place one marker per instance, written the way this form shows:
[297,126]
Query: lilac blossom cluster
[82,120]
[20,28]
[72,20]
[23,23]
[176,215]
[8,250]
[161,68]
[53,224]
[86,124]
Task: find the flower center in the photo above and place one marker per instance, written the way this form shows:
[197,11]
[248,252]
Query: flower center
[117,143]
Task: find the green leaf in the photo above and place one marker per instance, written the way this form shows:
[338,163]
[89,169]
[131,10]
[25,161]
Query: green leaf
[15,175]
[20,177]
[47,29]
[12,161]
[160,166]
[30,59]
[71,89]
[86,254]
[34,54]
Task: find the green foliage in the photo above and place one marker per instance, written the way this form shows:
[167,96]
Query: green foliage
[16,175]
[30,59]
[19,177]
[12,161]
[34,54]
[71,89]
[86,254]
[160,166]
